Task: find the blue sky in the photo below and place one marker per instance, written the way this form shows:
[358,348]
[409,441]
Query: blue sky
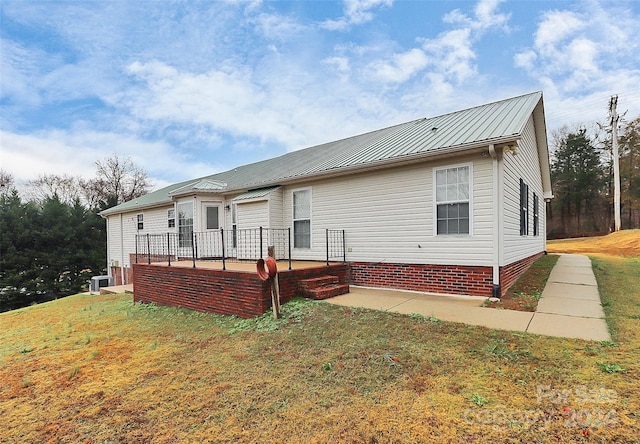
[188,89]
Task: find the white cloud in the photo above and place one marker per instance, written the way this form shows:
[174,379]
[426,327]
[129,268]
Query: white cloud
[74,152]
[485,17]
[575,54]
[402,66]
[356,12]
[276,26]
[525,59]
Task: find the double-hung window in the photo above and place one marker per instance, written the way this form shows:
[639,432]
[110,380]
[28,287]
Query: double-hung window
[302,218]
[453,199]
[140,219]
[171,218]
[536,215]
[524,208]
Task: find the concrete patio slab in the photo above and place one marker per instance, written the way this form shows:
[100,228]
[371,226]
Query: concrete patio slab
[571,307]
[589,329]
[471,315]
[571,291]
[117,289]
[374,300]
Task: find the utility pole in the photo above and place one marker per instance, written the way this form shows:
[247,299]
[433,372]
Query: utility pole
[613,119]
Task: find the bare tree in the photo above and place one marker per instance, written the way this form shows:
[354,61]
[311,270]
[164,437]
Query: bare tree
[6,183]
[66,187]
[117,180]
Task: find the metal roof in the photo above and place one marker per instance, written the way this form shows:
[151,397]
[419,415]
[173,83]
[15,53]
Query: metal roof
[493,122]
[254,194]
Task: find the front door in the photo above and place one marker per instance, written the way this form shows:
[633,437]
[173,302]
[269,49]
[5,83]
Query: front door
[210,240]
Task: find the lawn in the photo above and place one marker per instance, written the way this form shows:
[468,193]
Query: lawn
[103,369]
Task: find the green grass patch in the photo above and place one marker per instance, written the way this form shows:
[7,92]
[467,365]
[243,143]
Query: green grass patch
[104,369]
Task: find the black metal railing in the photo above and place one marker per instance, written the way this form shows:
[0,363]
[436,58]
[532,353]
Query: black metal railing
[242,245]
[335,245]
[238,245]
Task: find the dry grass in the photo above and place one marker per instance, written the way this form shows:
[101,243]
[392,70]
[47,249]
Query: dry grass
[102,369]
[624,243]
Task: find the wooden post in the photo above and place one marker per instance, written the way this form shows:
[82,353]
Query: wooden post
[275,297]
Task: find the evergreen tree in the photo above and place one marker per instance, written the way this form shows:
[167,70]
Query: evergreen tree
[578,183]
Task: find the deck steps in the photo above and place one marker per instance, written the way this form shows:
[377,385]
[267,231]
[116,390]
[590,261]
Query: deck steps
[323,287]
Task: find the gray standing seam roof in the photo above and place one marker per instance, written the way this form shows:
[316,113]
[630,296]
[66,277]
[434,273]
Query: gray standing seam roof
[482,124]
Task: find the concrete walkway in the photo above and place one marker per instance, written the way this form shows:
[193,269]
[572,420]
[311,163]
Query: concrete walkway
[569,306]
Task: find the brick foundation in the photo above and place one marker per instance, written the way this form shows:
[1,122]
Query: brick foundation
[231,292]
[118,272]
[445,279]
[509,274]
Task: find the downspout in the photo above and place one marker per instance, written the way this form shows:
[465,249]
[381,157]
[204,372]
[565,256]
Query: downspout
[497,219]
[122,253]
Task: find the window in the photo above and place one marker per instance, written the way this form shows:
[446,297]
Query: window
[536,216]
[234,224]
[171,218]
[524,209]
[185,224]
[453,191]
[213,223]
[140,221]
[302,219]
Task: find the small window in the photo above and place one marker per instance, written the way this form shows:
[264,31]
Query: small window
[524,208]
[171,218]
[140,221]
[234,224]
[453,191]
[302,219]
[213,223]
[536,215]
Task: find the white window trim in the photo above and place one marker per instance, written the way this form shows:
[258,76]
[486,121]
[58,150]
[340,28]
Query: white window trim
[435,202]
[139,220]
[310,219]
[170,218]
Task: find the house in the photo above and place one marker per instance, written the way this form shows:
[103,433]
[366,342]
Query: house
[453,204]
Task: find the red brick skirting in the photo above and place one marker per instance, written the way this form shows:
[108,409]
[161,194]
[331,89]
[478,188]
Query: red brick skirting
[446,279]
[231,292]
[509,274]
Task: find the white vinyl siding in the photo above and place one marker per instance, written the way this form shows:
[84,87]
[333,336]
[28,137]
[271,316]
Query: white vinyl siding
[388,216]
[114,253]
[524,165]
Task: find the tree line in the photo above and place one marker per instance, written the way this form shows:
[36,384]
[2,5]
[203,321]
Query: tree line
[52,239]
[583,181]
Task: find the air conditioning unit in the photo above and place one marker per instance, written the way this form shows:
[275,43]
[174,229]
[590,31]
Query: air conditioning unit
[97,282]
